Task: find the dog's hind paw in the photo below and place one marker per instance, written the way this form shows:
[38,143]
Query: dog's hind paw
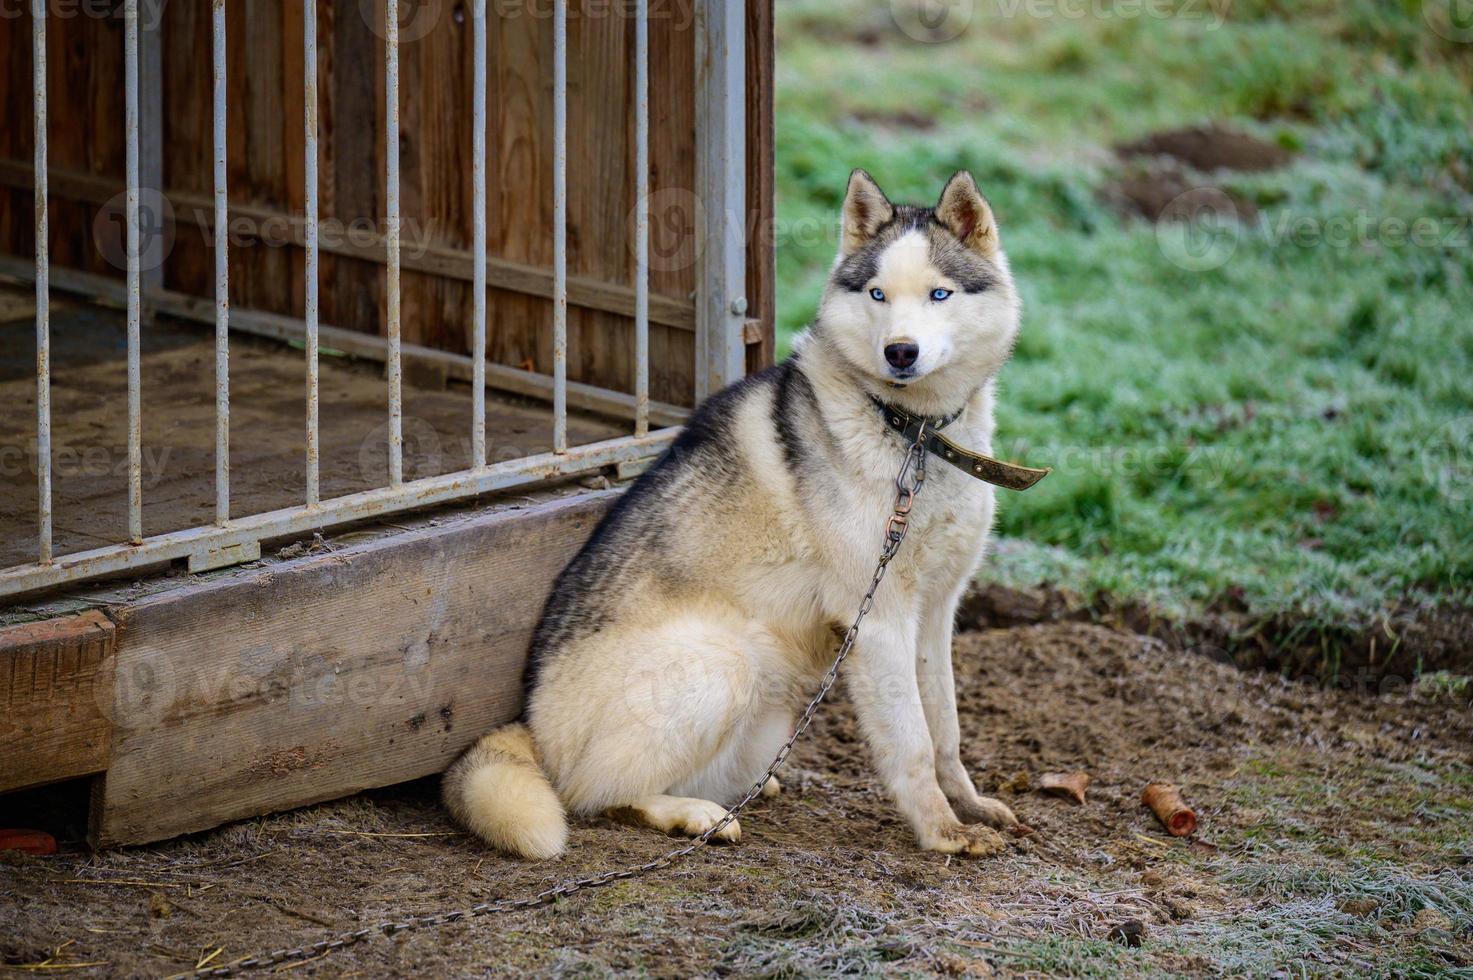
[984,810]
[771,788]
[685,816]
[972,840]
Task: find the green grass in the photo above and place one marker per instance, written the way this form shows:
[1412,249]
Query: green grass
[1294,422]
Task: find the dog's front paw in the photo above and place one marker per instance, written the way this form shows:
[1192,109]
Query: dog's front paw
[967,840]
[984,810]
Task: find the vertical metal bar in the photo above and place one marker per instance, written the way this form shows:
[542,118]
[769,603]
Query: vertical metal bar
[309,121]
[560,227]
[135,310]
[478,205]
[222,277]
[391,195]
[43,286]
[721,305]
[642,218]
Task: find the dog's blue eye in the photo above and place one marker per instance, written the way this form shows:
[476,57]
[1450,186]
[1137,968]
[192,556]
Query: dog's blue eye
[877,294]
[939,294]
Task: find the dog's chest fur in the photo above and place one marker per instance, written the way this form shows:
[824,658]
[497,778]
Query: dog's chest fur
[832,501]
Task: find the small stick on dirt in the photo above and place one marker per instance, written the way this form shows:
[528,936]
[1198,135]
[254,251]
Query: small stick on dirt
[130,882]
[1166,803]
[370,833]
[1070,785]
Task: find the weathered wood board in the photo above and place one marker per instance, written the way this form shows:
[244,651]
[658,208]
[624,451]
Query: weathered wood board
[328,675]
[54,689]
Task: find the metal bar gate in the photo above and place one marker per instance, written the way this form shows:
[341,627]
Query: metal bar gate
[720,307]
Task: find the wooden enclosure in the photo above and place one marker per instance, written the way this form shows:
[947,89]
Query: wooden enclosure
[266,185]
[193,699]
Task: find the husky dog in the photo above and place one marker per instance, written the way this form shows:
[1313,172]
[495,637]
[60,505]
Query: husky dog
[679,645]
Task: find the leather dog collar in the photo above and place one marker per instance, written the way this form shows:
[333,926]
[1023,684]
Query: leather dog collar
[1010,476]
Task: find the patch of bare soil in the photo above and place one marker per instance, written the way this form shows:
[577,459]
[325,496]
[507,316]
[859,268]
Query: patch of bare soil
[1165,168]
[1158,192]
[1385,654]
[1334,833]
[1209,148]
[901,119]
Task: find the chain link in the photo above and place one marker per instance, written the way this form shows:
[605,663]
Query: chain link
[907,484]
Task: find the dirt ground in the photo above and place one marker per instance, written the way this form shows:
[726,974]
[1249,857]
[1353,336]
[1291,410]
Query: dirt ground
[1336,838]
[1165,166]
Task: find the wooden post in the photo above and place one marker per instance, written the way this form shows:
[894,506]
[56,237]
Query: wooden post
[721,272]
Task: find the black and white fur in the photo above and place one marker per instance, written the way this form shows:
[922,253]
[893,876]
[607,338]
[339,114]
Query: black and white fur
[678,645]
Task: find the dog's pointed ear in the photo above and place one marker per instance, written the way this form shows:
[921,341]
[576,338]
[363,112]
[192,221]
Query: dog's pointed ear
[966,214]
[866,209]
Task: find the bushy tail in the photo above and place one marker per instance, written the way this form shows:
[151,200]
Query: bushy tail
[497,790]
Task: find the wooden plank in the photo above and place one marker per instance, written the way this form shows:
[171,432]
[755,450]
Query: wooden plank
[17,139]
[187,154]
[352,166]
[55,679]
[328,675]
[601,189]
[434,140]
[151,130]
[761,141]
[672,195]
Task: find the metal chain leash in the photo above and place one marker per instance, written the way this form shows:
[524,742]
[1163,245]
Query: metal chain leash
[907,484]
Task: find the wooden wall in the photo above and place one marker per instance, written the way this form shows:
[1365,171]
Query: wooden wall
[266,147]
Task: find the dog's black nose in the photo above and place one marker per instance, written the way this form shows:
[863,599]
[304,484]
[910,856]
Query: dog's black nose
[902,355]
